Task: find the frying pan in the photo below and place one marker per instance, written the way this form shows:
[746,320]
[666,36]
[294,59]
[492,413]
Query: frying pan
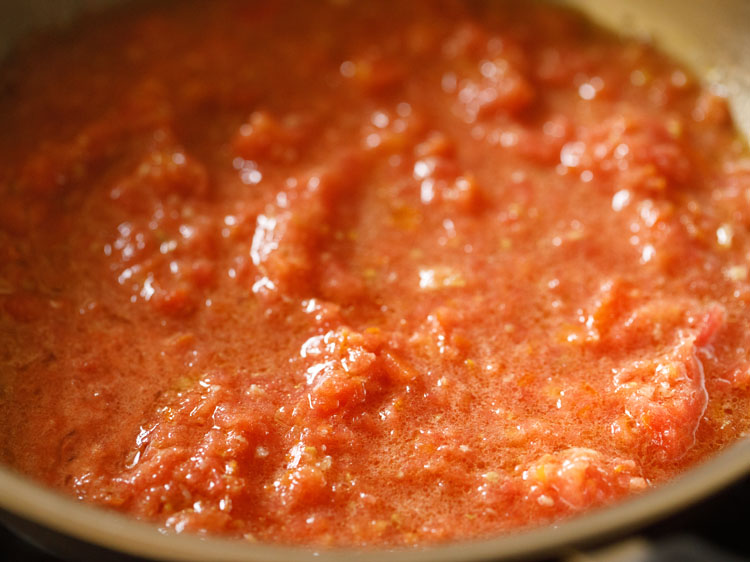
[710,36]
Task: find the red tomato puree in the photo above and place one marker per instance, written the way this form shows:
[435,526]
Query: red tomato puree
[365,273]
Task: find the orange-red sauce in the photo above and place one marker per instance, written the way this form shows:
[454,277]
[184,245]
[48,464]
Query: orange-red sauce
[365,273]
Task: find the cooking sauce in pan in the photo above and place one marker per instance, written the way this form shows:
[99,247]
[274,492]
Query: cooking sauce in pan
[365,273]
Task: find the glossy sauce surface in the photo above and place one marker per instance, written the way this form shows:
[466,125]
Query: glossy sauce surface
[367,273]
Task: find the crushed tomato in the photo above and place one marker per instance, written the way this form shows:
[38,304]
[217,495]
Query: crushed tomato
[365,273]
